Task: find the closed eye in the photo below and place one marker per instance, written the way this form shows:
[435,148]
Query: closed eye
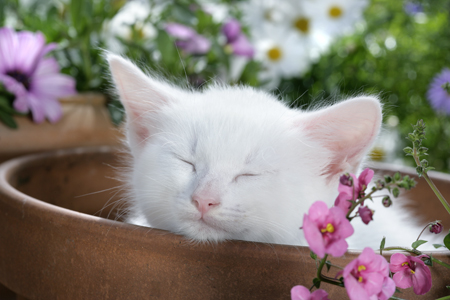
[245,175]
[189,163]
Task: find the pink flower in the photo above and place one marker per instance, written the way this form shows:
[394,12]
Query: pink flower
[351,188]
[367,277]
[326,230]
[366,214]
[188,39]
[411,271]
[299,292]
[237,41]
[33,78]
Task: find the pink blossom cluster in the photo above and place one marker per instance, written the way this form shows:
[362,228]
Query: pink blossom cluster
[366,277]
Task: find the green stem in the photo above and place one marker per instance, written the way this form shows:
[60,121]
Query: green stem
[436,191]
[412,251]
[322,277]
[440,262]
[444,298]
[430,183]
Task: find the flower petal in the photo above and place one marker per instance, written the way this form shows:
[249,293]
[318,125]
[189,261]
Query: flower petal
[299,292]
[180,31]
[403,279]
[53,110]
[8,46]
[421,279]
[313,236]
[337,248]
[387,290]
[355,290]
[36,107]
[29,51]
[396,261]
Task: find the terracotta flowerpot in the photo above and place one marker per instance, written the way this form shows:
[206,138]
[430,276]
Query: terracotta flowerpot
[55,248]
[85,122]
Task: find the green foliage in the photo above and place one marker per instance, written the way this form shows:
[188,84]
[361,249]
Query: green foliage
[363,63]
[416,244]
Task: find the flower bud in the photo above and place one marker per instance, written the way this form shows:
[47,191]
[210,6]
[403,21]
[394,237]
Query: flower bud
[380,184]
[436,227]
[366,214]
[386,201]
[346,179]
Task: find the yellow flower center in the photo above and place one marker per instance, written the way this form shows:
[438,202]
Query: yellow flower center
[405,264]
[329,228]
[412,272]
[335,12]
[360,279]
[302,24]
[274,53]
[361,268]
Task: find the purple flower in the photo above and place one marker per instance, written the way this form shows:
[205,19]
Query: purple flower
[33,78]
[367,277]
[236,40]
[299,292]
[366,214]
[436,227]
[188,39]
[411,271]
[326,230]
[439,92]
[413,8]
[351,188]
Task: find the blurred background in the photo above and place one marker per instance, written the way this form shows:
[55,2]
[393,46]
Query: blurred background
[305,52]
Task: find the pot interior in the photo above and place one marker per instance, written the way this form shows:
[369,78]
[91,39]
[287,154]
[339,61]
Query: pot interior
[91,182]
[87,182]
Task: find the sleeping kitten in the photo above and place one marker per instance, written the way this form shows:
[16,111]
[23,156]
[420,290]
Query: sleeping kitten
[236,163]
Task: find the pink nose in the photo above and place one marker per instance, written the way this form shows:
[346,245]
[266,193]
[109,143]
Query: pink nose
[204,204]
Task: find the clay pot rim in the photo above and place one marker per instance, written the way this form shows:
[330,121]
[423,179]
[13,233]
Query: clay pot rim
[8,168]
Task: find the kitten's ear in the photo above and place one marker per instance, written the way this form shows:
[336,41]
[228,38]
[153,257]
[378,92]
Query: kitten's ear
[140,95]
[348,129]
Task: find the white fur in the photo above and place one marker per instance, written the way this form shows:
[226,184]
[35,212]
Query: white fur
[227,134]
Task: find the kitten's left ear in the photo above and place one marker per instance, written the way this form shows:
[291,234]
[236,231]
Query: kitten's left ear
[348,130]
[141,96]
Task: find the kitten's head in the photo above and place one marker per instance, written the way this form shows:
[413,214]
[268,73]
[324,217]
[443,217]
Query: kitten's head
[234,162]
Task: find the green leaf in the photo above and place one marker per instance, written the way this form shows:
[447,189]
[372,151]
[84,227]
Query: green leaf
[395,192]
[166,47]
[5,105]
[447,241]
[408,150]
[8,120]
[312,255]
[316,282]
[397,176]
[387,178]
[437,246]
[328,264]
[416,244]
[428,261]
[419,170]
[383,242]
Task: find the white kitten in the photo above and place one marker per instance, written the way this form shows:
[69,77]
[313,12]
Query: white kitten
[234,162]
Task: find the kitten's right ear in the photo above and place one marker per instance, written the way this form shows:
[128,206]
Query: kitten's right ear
[140,95]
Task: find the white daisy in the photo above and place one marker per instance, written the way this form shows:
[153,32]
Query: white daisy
[336,17]
[259,12]
[282,54]
[132,13]
[305,24]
